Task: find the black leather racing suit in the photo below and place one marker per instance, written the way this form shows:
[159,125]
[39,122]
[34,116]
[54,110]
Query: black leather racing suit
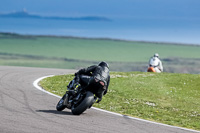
[90,78]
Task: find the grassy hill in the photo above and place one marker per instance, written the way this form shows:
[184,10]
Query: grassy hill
[168,98]
[71,52]
[162,97]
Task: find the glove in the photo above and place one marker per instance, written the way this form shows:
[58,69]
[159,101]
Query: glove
[76,85]
[75,74]
[99,100]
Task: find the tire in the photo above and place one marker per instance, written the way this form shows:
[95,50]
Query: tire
[87,102]
[60,106]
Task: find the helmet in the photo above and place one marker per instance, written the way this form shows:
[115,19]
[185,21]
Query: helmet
[103,64]
[156,55]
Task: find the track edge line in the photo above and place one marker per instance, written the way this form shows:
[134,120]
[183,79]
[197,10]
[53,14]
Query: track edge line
[36,85]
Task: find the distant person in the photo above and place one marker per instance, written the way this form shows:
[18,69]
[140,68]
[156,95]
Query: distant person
[155,65]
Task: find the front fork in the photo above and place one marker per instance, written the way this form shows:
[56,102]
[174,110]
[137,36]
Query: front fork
[71,97]
[66,101]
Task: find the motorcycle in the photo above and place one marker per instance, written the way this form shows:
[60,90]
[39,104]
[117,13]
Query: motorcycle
[151,69]
[77,99]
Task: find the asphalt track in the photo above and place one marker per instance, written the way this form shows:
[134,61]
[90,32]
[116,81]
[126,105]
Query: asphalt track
[25,109]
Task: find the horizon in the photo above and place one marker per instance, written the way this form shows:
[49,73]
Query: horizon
[100,38]
[30,13]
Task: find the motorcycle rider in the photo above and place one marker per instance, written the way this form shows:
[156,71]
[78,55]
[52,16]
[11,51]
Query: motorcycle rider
[156,63]
[95,78]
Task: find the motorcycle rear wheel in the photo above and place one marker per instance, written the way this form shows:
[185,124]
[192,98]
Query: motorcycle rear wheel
[84,104]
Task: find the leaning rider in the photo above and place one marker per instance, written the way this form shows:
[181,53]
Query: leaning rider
[95,78]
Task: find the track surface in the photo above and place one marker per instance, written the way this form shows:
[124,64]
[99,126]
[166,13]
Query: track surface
[24,109]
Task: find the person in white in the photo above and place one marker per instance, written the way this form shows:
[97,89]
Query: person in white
[156,63]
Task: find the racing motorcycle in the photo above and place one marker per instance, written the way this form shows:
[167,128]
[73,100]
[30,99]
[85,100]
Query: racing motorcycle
[151,69]
[76,98]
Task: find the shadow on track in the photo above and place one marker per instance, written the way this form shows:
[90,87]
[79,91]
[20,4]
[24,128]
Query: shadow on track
[55,112]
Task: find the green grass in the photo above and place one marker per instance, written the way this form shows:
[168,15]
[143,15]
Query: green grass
[40,62]
[75,53]
[92,49]
[167,98]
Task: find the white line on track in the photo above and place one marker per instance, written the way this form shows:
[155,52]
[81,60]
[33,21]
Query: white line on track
[36,85]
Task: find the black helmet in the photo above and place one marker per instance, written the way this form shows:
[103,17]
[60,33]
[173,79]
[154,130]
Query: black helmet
[104,64]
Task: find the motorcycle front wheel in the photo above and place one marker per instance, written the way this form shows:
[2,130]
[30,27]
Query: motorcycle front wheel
[60,106]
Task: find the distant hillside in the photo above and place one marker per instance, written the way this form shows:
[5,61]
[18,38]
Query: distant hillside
[24,14]
[59,52]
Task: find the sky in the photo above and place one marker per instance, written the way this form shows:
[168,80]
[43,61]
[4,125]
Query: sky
[110,8]
[150,17]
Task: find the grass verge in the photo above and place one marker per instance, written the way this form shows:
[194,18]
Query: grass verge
[165,97]
[70,52]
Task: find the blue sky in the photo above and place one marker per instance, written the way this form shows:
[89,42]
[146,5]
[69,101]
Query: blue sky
[154,20]
[110,8]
